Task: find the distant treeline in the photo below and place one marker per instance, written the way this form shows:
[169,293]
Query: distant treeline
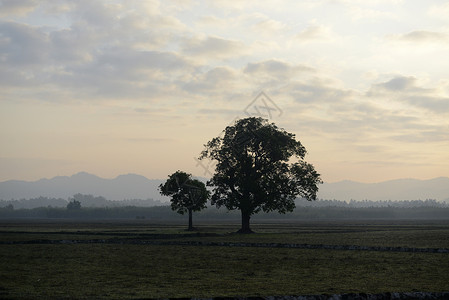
[85,200]
[165,214]
[102,202]
[371,203]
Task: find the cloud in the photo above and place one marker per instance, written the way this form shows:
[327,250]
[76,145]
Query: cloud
[101,50]
[213,47]
[228,113]
[439,11]
[315,33]
[434,135]
[237,5]
[436,104]
[128,59]
[315,91]
[269,26]
[368,2]
[22,44]
[149,140]
[359,13]
[409,91]
[127,73]
[153,65]
[399,83]
[421,37]
[386,118]
[95,14]
[212,21]
[78,59]
[17,7]
[246,27]
[219,80]
[275,68]
[25,56]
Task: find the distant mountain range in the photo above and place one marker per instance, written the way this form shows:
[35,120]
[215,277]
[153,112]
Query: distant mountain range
[132,186]
[400,189]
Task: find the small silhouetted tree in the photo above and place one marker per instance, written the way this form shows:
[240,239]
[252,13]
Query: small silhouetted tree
[187,194]
[74,205]
[260,167]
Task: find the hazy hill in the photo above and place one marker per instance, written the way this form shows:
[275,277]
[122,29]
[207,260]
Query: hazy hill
[129,186]
[400,189]
[134,186]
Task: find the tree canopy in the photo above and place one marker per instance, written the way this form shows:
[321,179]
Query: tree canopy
[260,167]
[187,194]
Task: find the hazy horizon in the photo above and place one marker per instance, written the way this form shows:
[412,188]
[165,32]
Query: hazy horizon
[113,87]
[207,178]
[135,186]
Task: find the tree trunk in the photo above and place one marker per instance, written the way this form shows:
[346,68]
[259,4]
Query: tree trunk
[190,221]
[245,223]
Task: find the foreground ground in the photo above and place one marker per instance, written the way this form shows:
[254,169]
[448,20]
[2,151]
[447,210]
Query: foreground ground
[111,259]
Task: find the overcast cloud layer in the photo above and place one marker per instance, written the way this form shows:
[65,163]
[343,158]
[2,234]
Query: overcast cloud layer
[115,87]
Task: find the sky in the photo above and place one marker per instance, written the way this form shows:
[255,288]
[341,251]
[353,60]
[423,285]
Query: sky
[117,87]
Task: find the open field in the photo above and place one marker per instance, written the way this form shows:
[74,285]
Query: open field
[124,269]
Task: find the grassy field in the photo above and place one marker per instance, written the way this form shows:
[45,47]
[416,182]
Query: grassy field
[151,271]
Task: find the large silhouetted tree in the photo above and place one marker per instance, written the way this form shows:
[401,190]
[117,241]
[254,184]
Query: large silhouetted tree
[187,194]
[260,167]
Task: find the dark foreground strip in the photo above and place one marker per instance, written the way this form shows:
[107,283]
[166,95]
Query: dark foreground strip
[361,296]
[231,244]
